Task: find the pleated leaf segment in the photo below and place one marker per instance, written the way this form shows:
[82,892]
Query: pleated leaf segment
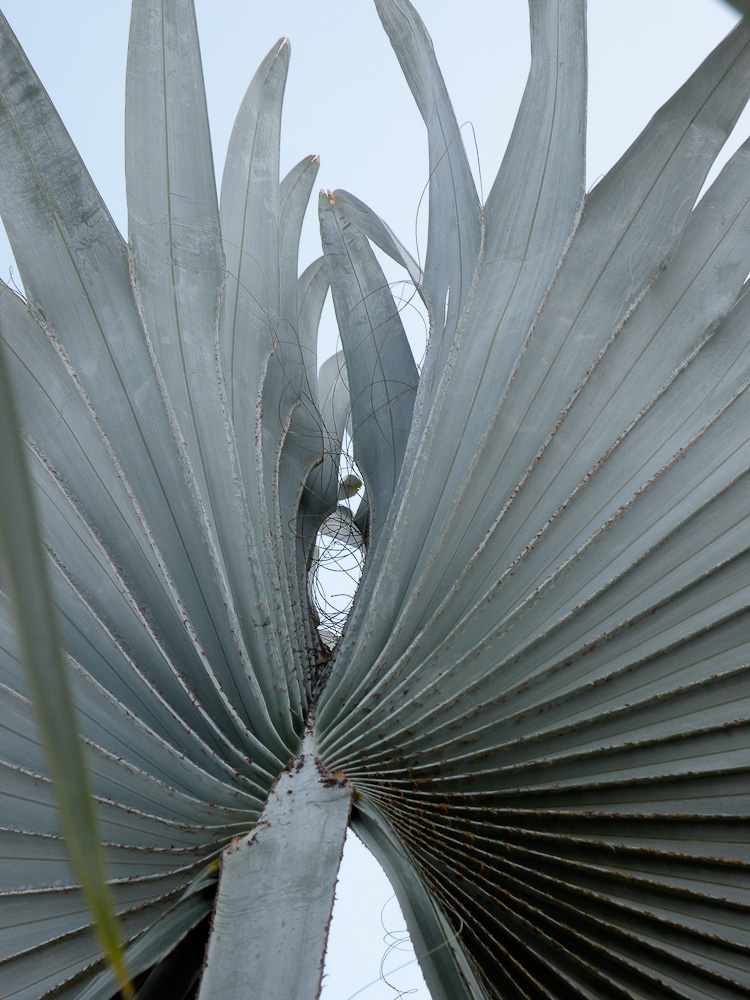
[536,714]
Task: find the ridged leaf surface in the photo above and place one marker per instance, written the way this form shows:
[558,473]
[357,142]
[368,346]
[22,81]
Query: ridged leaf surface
[537,711]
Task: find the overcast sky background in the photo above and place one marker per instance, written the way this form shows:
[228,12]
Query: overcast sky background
[347,101]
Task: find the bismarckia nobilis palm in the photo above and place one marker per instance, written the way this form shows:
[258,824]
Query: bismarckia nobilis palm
[536,716]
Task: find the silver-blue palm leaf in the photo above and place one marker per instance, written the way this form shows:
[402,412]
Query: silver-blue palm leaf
[537,714]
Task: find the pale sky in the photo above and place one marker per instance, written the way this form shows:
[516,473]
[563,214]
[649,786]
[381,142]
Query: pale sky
[347,102]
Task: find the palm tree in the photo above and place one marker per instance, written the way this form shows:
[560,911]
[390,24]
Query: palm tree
[536,713]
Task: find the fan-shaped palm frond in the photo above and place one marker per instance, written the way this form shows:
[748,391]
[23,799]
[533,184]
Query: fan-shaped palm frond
[536,715]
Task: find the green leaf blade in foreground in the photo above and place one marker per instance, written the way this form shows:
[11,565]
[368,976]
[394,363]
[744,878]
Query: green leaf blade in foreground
[24,563]
[158,943]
